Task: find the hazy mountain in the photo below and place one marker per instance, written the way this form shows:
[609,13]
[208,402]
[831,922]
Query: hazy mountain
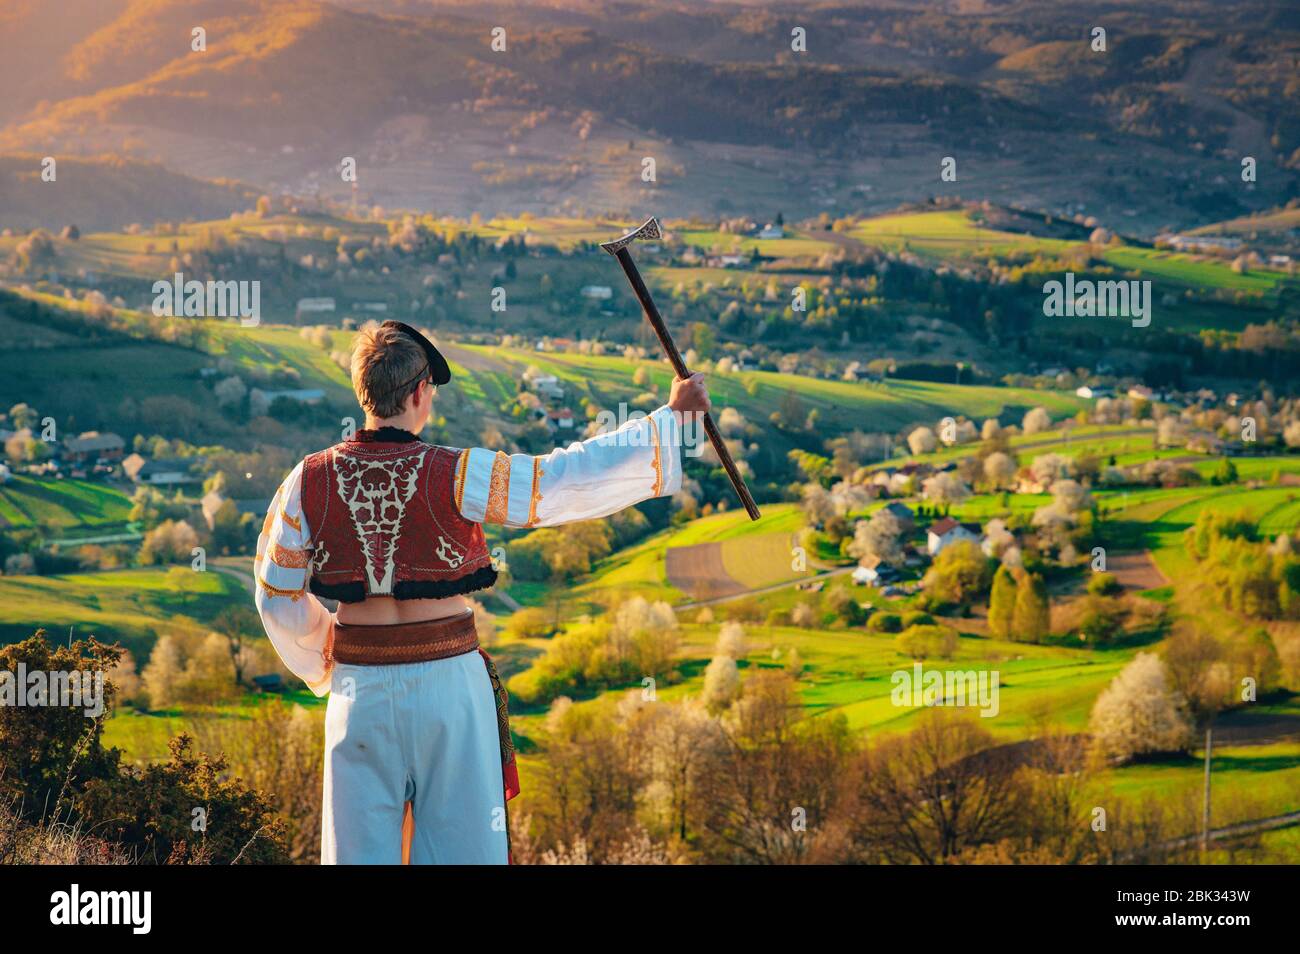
[108,192]
[584,93]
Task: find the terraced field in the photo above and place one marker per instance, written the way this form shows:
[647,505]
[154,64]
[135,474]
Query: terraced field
[60,504]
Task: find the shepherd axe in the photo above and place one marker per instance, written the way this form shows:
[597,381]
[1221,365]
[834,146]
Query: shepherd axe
[618,248]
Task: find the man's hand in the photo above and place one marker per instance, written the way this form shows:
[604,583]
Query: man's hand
[689,395]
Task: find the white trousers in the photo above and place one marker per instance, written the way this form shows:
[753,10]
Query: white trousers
[419,732]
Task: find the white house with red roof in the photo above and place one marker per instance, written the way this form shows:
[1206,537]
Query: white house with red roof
[944,533]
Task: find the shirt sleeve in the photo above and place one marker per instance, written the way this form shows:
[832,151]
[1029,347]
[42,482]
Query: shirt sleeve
[593,478]
[295,621]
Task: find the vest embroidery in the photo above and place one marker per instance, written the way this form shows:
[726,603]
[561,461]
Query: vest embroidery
[376,493]
[449,553]
[398,532]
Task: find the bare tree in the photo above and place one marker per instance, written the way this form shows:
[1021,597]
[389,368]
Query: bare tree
[936,791]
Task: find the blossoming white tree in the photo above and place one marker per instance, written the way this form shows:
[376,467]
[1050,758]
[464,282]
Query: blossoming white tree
[1140,712]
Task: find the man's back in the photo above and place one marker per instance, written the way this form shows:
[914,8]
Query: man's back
[391,527]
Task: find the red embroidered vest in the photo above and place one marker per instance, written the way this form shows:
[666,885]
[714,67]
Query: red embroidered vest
[383,523]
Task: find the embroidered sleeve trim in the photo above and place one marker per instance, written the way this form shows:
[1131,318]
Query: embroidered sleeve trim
[287,558]
[459,490]
[656,463]
[536,498]
[291,521]
[497,509]
[294,595]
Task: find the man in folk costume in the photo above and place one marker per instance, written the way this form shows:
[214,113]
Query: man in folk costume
[390,527]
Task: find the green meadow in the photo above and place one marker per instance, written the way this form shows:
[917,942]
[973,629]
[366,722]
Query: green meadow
[134,606]
[33,502]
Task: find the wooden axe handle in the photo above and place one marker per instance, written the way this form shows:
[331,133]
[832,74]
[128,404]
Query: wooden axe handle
[679,366]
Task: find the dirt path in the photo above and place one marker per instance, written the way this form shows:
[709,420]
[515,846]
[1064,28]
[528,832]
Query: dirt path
[244,574]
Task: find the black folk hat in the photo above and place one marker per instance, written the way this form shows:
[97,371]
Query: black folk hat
[438,368]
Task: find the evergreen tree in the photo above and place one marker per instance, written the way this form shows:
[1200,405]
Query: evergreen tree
[1002,603]
[1032,615]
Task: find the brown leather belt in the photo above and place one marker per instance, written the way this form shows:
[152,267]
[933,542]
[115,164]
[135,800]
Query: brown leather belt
[379,645]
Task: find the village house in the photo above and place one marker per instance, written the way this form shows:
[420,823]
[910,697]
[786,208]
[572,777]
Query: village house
[1027,483]
[559,419]
[313,306]
[770,231]
[160,472]
[597,292]
[213,500]
[904,514]
[1092,393]
[856,371]
[867,572]
[92,446]
[873,571]
[548,386]
[944,533]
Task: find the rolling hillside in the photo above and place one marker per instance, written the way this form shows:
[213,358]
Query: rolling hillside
[108,193]
[582,93]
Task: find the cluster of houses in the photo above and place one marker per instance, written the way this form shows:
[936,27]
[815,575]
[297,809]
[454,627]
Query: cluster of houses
[96,453]
[92,453]
[1139,392]
[103,454]
[939,535]
[550,393]
[731,259]
[313,310]
[896,481]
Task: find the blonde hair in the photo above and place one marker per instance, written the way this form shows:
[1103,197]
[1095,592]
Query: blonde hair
[386,368]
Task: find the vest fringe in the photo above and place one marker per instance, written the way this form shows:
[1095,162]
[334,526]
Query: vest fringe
[355,591]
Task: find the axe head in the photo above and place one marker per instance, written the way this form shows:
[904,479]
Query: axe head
[649,229]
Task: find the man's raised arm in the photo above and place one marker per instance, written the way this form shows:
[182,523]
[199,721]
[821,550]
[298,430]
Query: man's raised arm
[594,478]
